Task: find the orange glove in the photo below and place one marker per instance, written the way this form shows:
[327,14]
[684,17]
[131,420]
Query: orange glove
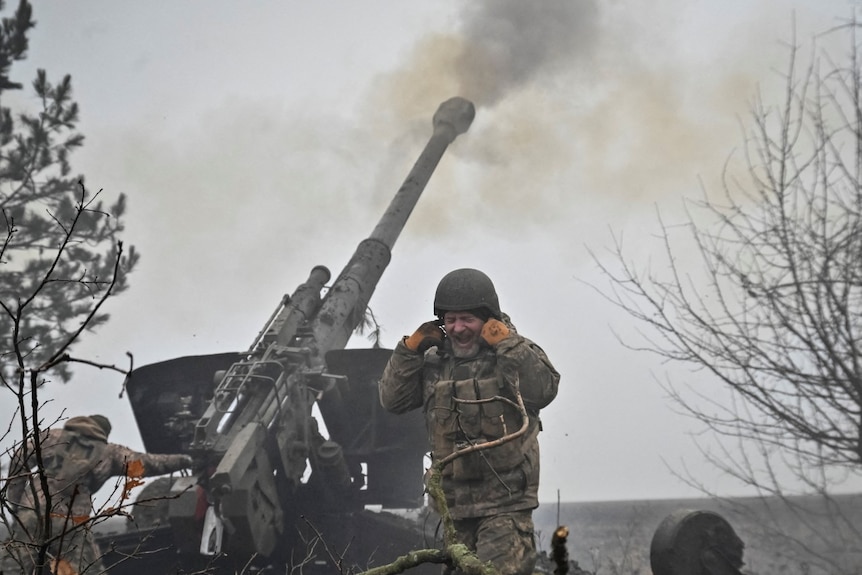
[494,331]
[428,335]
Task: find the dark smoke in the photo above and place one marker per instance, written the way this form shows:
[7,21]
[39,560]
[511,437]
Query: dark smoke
[585,110]
[509,43]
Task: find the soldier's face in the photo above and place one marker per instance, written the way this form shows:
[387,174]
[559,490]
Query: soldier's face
[465,332]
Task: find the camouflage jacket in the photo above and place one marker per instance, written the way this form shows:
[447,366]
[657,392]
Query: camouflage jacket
[78,460]
[495,480]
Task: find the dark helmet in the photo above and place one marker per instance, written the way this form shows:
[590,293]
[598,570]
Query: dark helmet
[103,423]
[466,289]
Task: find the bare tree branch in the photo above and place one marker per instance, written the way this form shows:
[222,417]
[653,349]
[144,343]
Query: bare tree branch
[773,311]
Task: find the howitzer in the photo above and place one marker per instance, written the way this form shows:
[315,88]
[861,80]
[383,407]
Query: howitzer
[248,418]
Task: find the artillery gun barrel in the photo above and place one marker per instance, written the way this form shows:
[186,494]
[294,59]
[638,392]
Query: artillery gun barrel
[344,306]
[452,118]
[256,434]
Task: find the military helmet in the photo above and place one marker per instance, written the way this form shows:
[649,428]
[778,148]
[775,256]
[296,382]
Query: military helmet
[103,423]
[466,289]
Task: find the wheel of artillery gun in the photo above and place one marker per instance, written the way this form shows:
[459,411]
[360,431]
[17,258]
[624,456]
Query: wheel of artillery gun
[695,543]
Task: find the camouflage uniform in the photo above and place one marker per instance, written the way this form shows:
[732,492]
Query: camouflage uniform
[78,460]
[491,493]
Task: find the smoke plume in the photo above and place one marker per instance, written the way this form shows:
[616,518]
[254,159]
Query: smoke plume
[508,44]
[584,110]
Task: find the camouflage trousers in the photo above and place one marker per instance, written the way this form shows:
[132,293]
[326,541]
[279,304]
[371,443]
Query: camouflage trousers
[506,540]
[76,546]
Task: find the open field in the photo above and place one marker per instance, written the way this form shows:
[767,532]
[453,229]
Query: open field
[613,538]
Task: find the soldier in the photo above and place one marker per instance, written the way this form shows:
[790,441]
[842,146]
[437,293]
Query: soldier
[77,460]
[473,352]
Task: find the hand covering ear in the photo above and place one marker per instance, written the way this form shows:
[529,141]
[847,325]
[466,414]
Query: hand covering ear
[426,336]
[494,331]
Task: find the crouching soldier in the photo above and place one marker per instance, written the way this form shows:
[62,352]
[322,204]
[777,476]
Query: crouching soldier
[77,460]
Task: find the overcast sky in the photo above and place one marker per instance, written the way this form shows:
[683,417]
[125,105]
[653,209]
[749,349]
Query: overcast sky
[256,140]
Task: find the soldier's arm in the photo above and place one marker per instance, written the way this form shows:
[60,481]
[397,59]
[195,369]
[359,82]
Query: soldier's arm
[401,384]
[538,380]
[153,463]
